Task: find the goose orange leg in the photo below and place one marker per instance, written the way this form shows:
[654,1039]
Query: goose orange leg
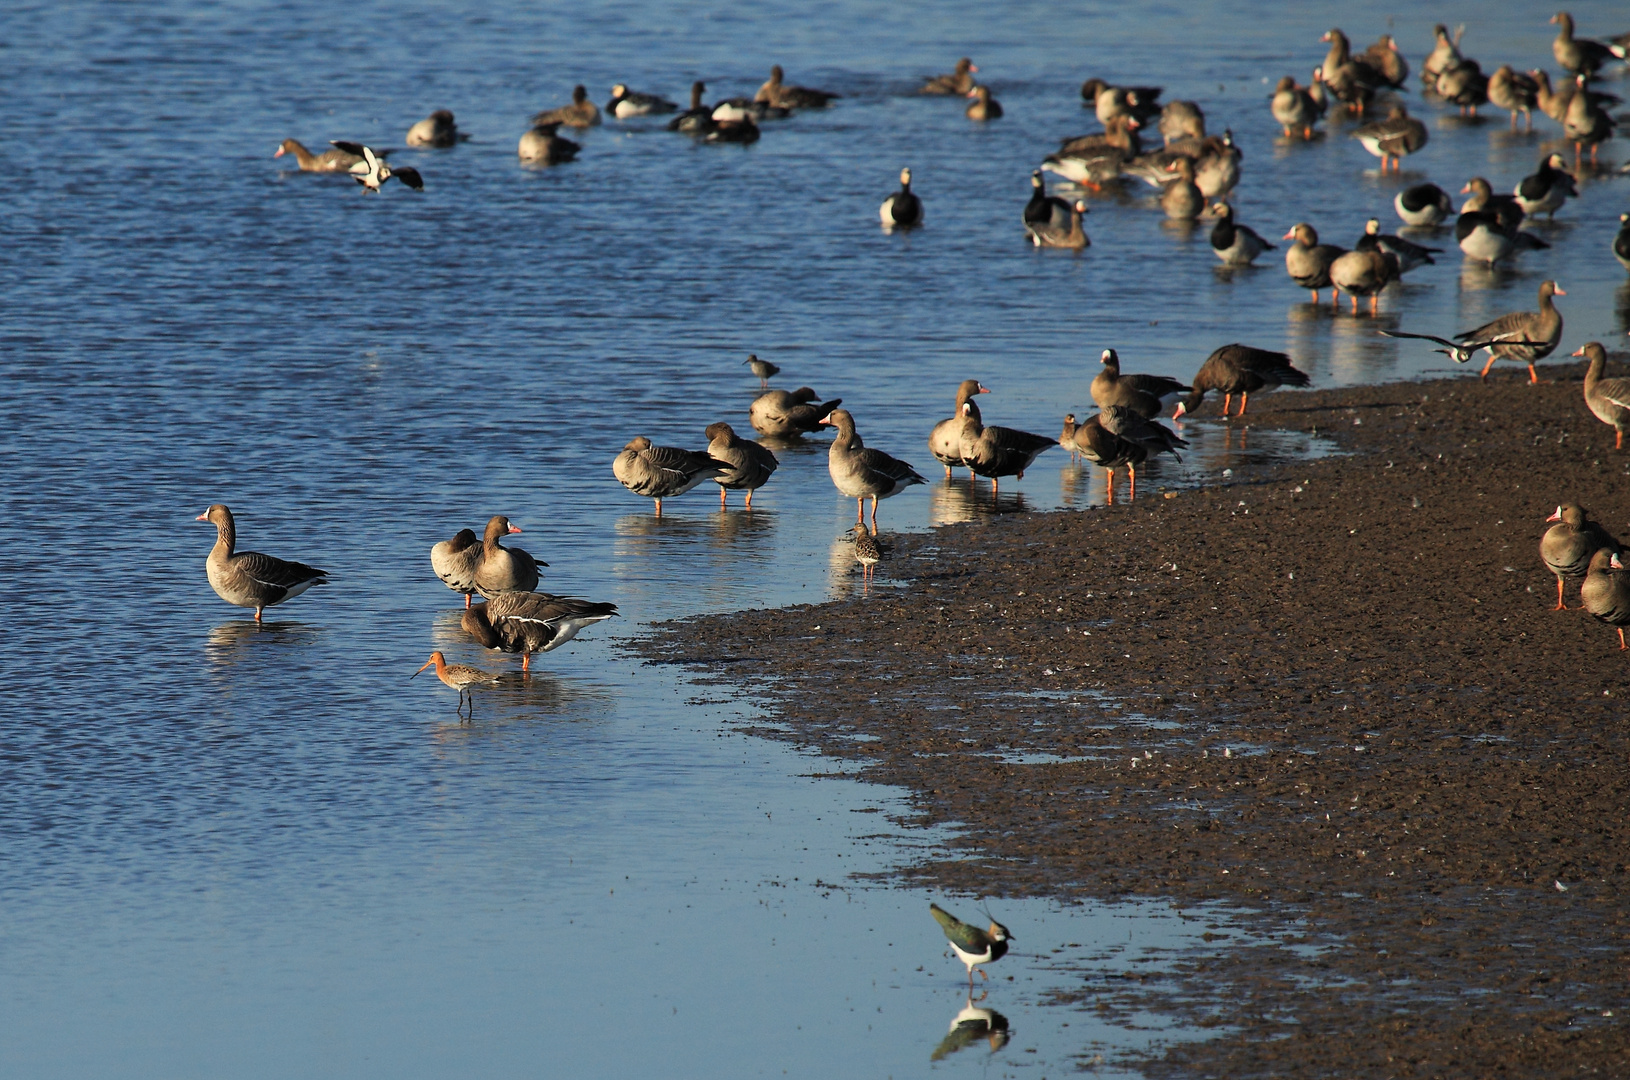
[1228,399]
[1109,487]
[466,601]
[258,610]
[1560,606]
[1622,645]
[659,508]
[1485,372]
[1244,399]
[721,496]
[1533,376]
[749,498]
[1132,490]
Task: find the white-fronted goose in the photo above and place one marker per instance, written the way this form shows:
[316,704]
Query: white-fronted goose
[1515,92]
[504,569]
[531,622]
[1116,437]
[1121,133]
[456,561]
[437,131]
[1182,200]
[903,209]
[1459,351]
[945,441]
[860,472]
[1049,234]
[663,472]
[1391,139]
[1608,399]
[1423,205]
[1042,207]
[1352,80]
[1216,170]
[460,677]
[371,172]
[1444,55]
[1568,545]
[581,113]
[1093,160]
[1066,438]
[1146,395]
[1140,102]
[1544,191]
[1581,56]
[984,106]
[776,92]
[1409,254]
[627,103]
[1182,120]
[697,119]
[541,146]
[1308,262]
[1484,200]
[1586,123]
[335,160]
[1524,336]
[1464,85]
[868,552]
[783,415]
[1386,60]
[959,82]
[1606,591]
[1235,245]
[1318,93]
[1294,109]
[750,464]
[1364,273]
[762,368]
[248,578]
[1621,242]
[1243,370]
[994,452]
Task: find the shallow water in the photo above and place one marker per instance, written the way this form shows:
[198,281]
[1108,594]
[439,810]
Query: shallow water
[266,852]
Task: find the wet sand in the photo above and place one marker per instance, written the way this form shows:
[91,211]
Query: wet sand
[1330,694]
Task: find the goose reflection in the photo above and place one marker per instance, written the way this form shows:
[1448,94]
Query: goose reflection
[966,499]
[1621,306]
[1476,276]
[746,530]
[231,641]
[973,1024]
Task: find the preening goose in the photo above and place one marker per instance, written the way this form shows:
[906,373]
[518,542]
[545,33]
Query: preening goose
[662,472]
[531,622]
[456,561]
[750,464]
[437,131]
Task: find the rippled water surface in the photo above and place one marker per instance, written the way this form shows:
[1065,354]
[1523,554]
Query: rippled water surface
[240,851]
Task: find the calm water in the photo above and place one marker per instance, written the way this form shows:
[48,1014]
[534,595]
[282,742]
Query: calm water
[241,852]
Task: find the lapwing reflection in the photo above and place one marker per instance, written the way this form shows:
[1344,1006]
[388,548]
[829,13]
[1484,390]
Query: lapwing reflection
[972,1024]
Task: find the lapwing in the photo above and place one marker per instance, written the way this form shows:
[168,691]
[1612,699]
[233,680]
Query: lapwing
[371,171]
[972,945]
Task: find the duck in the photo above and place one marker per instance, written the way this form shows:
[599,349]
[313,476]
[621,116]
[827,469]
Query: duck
[1464,85]
[959,82]
[1423,205]
[1586,123]
[581,113]
[542,146]
[1582,56]
[531,622]
[776,92]
[698,118]
[1351,80]
[903,209]
[1243,370]
[984,106]
[663,472]
[1235,245]
[1182,199]
[460,677]
[1364,273]
[455,561]
[860,472]
[1393,138]
[1621,242]
[1607,399]
[761,368]
[1385,59]
[1459,351]
[1409,254]
[1606,591]
[627,103]
[1182,120]
[372,172]
[1544,191]
[1294,109]
[750,464]
[1146,395]
[504,569]
[334,160]
[972,945]
[1567,546]
[1140,102]
[945,440]
[437,131]
[248,578]
[1308,262]
[1117,436]
[1048,234]
[1515,92]
[994,452]
[783,415]
[745,108]
[1444,55]
[1525,336]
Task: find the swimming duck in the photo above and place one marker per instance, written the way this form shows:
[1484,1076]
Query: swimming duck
[696,119]
[1044,208]
[1049,234]
[902,210]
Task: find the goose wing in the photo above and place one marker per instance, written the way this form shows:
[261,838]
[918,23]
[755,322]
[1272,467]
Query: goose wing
[276,573]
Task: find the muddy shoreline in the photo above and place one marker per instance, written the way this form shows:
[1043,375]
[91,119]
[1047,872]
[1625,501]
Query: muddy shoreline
[1330,693]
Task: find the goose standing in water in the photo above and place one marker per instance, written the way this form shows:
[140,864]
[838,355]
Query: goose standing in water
[1308,262]
[1391,139]
[860,472]
[1524,336]
[1117,436]
[1243,370]
[248,578]
[750,464]
[1364,272]
[1235,245]
[1182,200]
[984,106]
[1608,399]
[1546,190]
[541,146]
[504,569]
[1423,205]
[625,103]
[531,622]
[1487,226]
[581,113]
[460,677]
[456,561]
[372,172]
[1385,59]
[1581,56]
[763,369]
[1444,55]
[1294,109]
[335,160]
[1066,438]
[1048,234]
[1146,395]
[959,82]
[783,415]
[1409,254]
[663,472]
[1586,123]
[995,452]
[776,92]
[902,210]
[1181,120]
[437,131]
[945,441]
[1515,92]
[1464,85]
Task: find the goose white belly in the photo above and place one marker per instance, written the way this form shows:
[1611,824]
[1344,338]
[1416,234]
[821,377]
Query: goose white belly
[1487,245]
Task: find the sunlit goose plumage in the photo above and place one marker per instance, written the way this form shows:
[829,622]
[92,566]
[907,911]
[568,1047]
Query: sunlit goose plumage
[750,464]
[456,561]
[436,131]
[1581,56]
[1294,109]
[1308,262]
[1243,370]
[1182,120]
[1364,273]
[248,578]
[776,92]
[945,441]
[1544,191]
[1606,591]
[1464,85]
[531,622]
[1423,205]
[581,113]
[781,414]
[542,146]
[663,472]
[995,452]
[1385,59]
[1524,336]
[1142,103]
[984,106]
[1391,139]
[1515,92]
[1586,123]
[1607,399]
[1049,234]
[1182,199]
[1117,436]
[504,569]
[1146,395]
[334,160]
[862,473]
[959,82]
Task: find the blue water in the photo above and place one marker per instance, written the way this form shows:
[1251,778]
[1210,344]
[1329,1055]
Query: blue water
[241,852]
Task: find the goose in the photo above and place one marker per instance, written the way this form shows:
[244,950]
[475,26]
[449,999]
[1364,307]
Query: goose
[1606,591]
[581,113]
[1607,399]
[1093,160]
[741,131]
[531,622]
[1117,436]
[1364,273]
[698,118]
[1146,395]
[775,92]
[335,160]
[1235,245]
[972,945]
[1048,234]
[1121,133]
[902,210]
[1308,262]
[541,146]
[1525,336]
[626,103]
[745,108]
[248,578]
[460,677]
[1554,103]
[1216,170]
[1391,139]
[1515,92]
[1487,226]
[504,569]
[1385,59]
[859,472]
[783,415]
[750,464]
[455,561]
[1586,123]
[1423,205]
[1243,370]
[1621,242]
[1044,208]
[1140,102]
[1293,108]
[438,131]
[1409,254]
[1180,120]
[762,368]
[959,82]
[1318,93]
[1351,80]
[1182,199]
[994,452]
[1460,351]
[1582,56]
[663,472]
[1544,191]
[945,441]
[984,106]
[1464,85]
[372,172]
[1567,546]
[1444,55]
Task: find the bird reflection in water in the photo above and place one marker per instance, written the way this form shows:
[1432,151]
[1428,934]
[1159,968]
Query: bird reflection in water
[968,499]
[231,641]
[744,529]
[973,1024]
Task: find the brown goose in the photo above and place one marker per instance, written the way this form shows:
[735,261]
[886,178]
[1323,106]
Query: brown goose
[1464,85]
[1142,103]
[1072,236]
[1146,395]
[1586,123]
[460,677]
[1538,331]
[1515,92]
[1240,369]
[750,464]
[1121,133]
[1308,262]
[1352,80]
[1117,436]
[504,569]
[581,113]
[995,452]
[1182,201]
[958,82]
[1364,273]
[1582,56]
[945,441]
[1386,60]
[1094,160]
[662,472]
[783,415]
[860,472]
[1568,545]
[1216,169]
[542,146]
[333,160]
[1294,109]
[248,578]
[1606,591]
[984,106]
[438,131]
[531,622]
[1444,55]
[456,561]
[776,92]
[1182,120]
[1390,139]
[1608,399]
